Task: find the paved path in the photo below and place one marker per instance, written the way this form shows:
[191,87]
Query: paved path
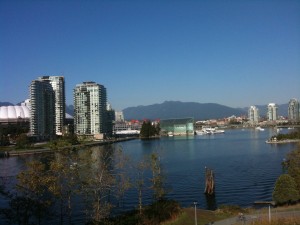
[256,217]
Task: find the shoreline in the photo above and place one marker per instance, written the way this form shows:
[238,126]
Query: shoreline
[12,153]
[286,141]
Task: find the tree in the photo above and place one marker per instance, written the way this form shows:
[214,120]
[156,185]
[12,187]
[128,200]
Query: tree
[33,184]
[4,140]
[97,182]
[292,164]
[64,173]
[285,191]
[148,130]
[121,174]
[140,182]
[158,179]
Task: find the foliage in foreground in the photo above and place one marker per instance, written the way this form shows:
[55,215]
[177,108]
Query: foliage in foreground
[99,177]
[287,187]
[285,190]
[292,165]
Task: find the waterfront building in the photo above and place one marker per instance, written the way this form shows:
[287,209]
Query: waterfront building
[133,125]
[58,86]
[89,109]
[272,112]
[184,126]
[42,113]
[253,115]
[293,110]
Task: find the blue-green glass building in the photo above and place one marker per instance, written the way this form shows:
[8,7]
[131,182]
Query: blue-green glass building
[183,126]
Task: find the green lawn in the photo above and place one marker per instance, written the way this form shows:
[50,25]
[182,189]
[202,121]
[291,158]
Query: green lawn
[203,217]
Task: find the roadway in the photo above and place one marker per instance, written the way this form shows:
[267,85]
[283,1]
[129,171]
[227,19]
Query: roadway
[249,219]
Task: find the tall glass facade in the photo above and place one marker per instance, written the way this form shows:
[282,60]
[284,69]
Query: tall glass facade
[42,114]
[58,86]
[90,108]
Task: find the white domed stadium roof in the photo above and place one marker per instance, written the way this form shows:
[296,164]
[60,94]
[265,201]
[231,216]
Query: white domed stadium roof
[14,112]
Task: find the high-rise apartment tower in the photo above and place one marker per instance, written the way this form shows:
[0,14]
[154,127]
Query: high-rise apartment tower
[58,86]
[293,110]
[42,99]
[272,112]
[90,108]
[253,115]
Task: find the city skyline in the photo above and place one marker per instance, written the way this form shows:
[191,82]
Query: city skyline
[235,53]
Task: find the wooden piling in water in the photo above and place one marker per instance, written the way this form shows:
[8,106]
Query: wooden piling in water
[209,182]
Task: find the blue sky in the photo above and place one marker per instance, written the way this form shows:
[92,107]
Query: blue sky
[236,53]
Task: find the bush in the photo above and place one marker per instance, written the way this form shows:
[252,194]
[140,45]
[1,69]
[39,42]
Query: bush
[23,141]
[285,191]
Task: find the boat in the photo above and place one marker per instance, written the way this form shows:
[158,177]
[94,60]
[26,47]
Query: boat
[259,128]
[200,132]
[209,130]
[170,134]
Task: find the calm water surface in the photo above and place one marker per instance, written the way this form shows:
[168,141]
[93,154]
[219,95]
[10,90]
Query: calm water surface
[245,167]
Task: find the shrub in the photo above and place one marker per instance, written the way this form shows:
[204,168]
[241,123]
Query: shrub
[285,191]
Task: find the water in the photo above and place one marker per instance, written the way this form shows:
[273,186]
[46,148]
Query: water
[245,167]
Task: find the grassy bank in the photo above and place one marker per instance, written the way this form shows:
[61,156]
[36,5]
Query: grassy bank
[187,217]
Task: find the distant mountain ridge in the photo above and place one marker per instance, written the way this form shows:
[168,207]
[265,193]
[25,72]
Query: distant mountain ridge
[177,109]
[5,104]
[199,111]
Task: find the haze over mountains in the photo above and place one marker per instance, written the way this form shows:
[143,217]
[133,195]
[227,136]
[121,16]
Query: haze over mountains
[177,109]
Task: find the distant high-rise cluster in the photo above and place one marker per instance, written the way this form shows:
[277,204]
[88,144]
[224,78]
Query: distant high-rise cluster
[272,112]
[92,115]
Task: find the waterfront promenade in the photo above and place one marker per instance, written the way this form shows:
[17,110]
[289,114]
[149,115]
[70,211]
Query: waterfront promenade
[250,219]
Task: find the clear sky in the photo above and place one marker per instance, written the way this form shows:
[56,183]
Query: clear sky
[236,53]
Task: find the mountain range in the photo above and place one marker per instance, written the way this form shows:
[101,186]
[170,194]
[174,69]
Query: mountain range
[177,109]
[199,111]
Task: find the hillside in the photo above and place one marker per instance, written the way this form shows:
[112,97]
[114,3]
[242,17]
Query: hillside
[5,104]
[176,109]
